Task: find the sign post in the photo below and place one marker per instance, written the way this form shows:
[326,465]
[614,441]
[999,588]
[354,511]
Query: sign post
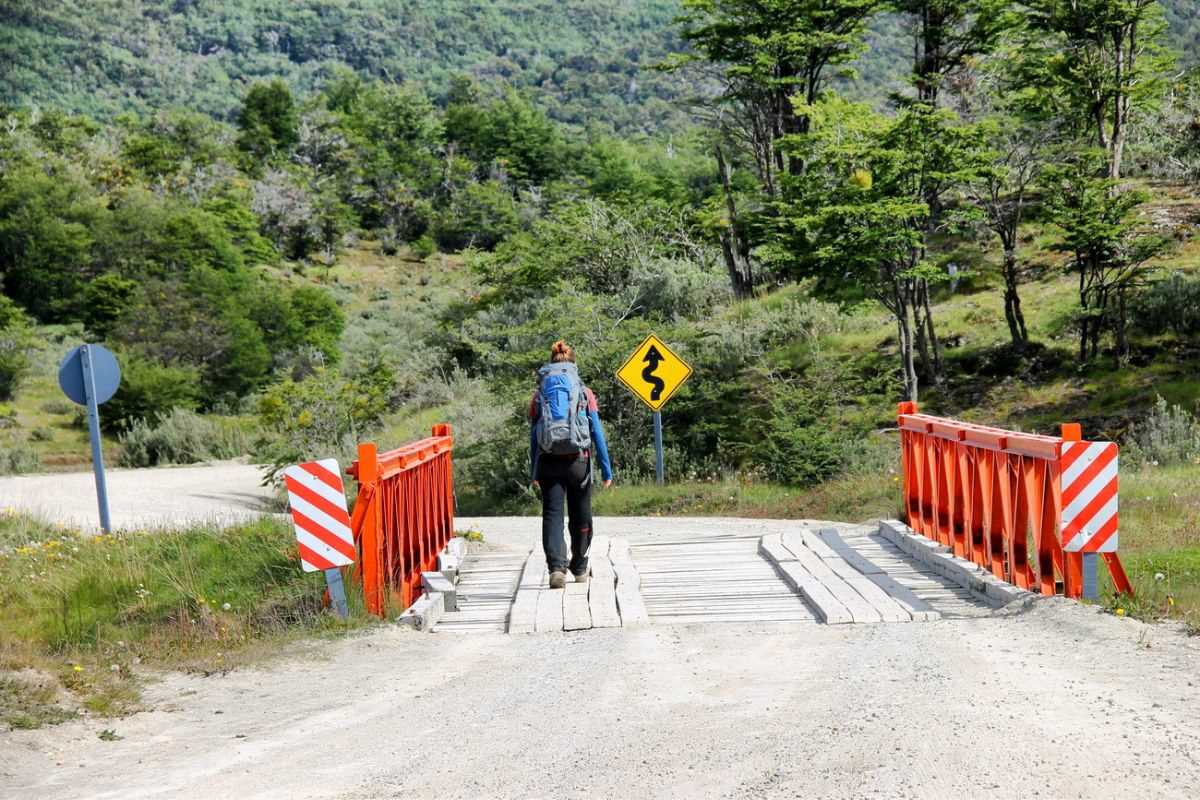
[658,453]
[317,498]
[653,372]
[89,376]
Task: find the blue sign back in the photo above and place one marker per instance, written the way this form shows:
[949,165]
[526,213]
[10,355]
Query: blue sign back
[104,366]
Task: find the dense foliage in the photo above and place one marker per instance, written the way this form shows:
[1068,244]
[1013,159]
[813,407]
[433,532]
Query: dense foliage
[588,60]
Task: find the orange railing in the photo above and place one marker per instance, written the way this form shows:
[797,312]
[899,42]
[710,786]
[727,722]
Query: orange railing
[403,517]
[996,498]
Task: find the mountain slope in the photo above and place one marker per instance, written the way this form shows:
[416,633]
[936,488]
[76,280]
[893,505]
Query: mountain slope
[588,61]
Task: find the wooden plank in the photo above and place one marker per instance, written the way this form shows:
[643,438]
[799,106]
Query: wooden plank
[600,544]
[814,542]
[522,617]
[576,615]
[889,610]
[550,610]
[772,547]
[917,608]
[855,559]
[629,596]
[602,594]
[828,608]
[859,608]
[535,567]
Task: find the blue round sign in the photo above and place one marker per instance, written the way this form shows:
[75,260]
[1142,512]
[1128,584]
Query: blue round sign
[105,371]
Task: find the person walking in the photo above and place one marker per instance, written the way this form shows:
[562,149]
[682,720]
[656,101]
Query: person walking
[564,434]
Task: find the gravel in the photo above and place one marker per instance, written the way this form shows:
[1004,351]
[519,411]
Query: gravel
[1058,701]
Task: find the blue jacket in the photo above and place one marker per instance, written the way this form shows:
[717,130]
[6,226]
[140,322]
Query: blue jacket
[599,445]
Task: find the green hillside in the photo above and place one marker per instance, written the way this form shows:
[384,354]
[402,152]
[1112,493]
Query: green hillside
[588,61]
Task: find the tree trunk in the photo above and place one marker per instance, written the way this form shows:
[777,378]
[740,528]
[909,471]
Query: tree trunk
[921,343]
[733,244]
[939,369]
[908,367]
[1012,302]
[1122,332]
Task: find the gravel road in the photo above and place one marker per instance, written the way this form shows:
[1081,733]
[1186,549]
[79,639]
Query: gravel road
[220,493]
[1059,701]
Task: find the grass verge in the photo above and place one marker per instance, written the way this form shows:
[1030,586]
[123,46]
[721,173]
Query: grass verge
[87,619]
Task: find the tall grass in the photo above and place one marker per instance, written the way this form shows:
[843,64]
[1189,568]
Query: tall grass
[88,613]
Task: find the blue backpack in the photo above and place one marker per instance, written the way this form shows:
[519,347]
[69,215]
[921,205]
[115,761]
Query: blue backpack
[562,426]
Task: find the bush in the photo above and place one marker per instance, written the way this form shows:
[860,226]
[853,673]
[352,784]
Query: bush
[15,460]
[1169,434]
[58,407]
[149,391]
[41,434]
[16,339]
[180,437]
[1171,305]
[479,215]
[322,416]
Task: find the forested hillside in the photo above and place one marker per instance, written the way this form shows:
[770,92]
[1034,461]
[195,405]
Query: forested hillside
[588,62]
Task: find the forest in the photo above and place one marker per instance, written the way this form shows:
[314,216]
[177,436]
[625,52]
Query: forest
[310,252]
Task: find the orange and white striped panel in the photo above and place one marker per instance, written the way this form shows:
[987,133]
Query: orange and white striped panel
[1089,497]
[317,498]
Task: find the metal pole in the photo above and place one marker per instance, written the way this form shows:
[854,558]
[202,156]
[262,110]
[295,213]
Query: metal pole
[89,390]
[337,591]
[658,449]
[1091,590]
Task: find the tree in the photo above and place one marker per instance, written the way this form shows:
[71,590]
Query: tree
[268,121]
[1107,246]
[48,230]
[1002,193]
[770,51]
[858,220]
[1098,63]
[16,340]
[948,35]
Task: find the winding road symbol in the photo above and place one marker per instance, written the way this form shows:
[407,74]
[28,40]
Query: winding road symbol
[652,359]
[653,372]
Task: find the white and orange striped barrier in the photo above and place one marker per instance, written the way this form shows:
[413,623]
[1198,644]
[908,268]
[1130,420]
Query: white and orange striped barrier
[317,499]
[990,494]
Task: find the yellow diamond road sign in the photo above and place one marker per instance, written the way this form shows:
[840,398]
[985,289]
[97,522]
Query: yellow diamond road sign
[654,372]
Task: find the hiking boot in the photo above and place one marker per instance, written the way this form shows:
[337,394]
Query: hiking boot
[558,580]
[581,578]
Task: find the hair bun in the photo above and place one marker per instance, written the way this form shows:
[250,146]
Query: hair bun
[561,351]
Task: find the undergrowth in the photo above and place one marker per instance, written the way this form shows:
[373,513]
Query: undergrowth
[85,617]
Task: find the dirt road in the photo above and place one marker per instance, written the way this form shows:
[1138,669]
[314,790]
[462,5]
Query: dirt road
[1059,701]
[220,493]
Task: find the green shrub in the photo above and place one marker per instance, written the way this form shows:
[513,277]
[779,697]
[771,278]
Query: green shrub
[16,460]
[424,247]
[322,416]
[16,340]
[479,215]
[1171,305]
[41,434]
[1169,434]
[58,407]
[180,437]
[149,390]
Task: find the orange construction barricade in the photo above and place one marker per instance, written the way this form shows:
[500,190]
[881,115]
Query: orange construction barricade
[1023,506]
[403,517]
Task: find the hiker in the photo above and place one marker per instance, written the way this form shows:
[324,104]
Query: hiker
[564,433]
